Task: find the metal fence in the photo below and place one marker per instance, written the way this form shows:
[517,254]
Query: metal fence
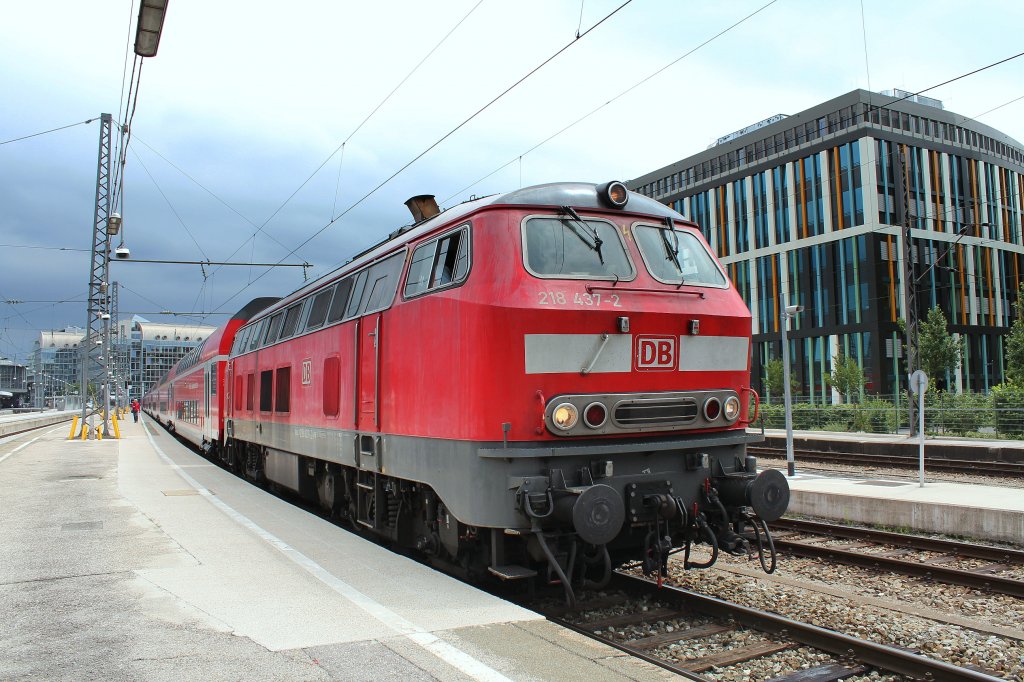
[965,414]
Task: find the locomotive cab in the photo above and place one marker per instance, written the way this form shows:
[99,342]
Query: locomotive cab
[634,385]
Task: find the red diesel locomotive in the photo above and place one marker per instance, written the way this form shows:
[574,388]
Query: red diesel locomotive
[554,379]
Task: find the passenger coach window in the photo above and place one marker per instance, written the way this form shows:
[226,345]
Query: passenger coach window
[266,390]
[438,263]
[318,313]
[677,256]
[332,395]
[568,248]
[274,329]
[250,390]
[291,320]
[374,288]
[283,389]
[340,301]
[254,340]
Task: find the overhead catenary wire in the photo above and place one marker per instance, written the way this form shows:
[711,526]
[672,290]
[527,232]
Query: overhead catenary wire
[341,146]
[171,206]
[46,132]
[438,142]
[613,99]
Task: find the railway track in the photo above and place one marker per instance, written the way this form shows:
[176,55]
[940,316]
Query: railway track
[901,554]
[957,466]
[696,617]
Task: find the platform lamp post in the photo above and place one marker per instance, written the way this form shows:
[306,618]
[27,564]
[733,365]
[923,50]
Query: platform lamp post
[787,313]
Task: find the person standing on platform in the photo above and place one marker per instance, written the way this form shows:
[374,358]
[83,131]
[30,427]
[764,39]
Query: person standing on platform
[135,410]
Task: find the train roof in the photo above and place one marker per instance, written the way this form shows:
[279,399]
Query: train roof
[579,195]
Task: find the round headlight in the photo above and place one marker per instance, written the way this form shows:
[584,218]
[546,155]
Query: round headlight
[613,193]
[565,416]
[712,409]
[732,408]
[595,415]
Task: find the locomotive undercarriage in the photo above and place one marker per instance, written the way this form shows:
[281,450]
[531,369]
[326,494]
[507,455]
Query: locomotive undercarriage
[578,518]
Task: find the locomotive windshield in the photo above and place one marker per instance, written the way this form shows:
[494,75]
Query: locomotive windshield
[566,247]
[677,256]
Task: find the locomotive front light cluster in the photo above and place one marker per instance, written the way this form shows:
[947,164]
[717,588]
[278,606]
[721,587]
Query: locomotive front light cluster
[595,415]
[712,409]
[565,416]
[732,408]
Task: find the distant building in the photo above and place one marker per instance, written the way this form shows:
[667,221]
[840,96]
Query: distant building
[56,365]
[806,209]
[149,349]
[143,351]
[13,384]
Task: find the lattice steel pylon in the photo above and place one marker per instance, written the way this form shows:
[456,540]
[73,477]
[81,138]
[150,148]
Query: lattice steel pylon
[96,345]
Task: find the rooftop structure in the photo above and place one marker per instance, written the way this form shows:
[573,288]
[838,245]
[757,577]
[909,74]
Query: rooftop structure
[805,209]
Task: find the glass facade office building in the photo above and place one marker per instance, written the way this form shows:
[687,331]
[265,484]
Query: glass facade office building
[808,210]
[143,352]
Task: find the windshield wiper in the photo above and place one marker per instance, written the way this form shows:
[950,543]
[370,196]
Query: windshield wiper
[596,245]
[671,249]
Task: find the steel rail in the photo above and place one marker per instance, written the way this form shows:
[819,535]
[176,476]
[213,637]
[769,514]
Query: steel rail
[625,648]
[881,656]
[942,574]
[919,542]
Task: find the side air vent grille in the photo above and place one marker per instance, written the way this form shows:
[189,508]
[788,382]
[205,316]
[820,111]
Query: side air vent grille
[656,412]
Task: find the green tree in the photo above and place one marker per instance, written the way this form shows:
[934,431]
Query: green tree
[774,380]
[1015,343]
[847,377]
[939,351]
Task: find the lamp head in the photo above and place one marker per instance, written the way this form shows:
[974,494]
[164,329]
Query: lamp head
[122,252]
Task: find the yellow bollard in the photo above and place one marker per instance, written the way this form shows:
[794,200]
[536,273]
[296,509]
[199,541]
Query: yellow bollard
[74,427]
[117,429]
[85,431]
[99,432]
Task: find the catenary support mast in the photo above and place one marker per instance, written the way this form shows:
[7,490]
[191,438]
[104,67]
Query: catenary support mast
[96,345]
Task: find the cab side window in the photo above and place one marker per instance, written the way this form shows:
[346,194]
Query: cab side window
[438,263]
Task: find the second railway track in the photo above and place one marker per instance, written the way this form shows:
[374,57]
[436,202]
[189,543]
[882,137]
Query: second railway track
[895,552]
[957,466]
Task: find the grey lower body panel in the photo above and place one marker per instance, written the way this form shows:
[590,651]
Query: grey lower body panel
[477,481]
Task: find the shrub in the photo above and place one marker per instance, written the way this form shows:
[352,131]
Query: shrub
[959,413]
[1008,401]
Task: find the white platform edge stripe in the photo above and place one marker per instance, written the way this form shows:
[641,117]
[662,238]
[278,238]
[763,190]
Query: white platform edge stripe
[430,642]
[23,445]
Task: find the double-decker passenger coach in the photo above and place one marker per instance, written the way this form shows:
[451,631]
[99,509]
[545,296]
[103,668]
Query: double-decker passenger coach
[555,380]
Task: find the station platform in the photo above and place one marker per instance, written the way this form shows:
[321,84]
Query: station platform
[983,512]
[138,559]
[15,423]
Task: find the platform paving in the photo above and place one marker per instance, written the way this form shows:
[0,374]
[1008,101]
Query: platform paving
[139,560]
[991,513]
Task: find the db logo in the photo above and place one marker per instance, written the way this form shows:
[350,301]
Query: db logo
[654,353]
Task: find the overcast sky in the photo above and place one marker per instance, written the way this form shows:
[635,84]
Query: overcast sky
[244,101]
